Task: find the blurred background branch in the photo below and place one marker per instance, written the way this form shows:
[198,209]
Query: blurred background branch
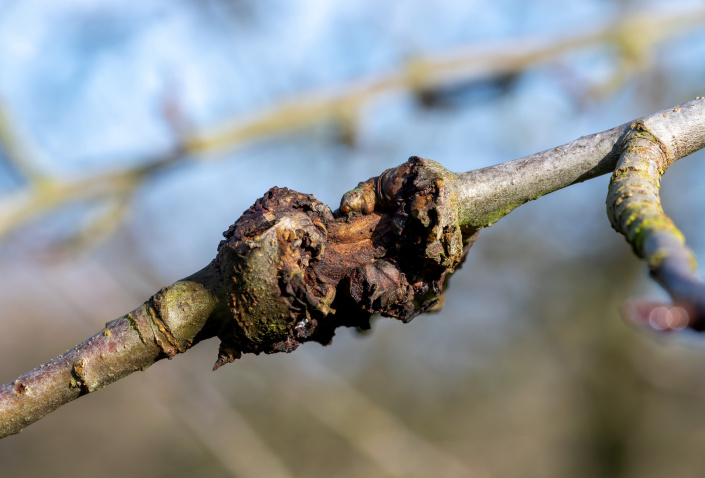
[634,35]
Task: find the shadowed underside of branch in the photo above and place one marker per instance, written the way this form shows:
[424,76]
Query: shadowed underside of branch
[290,270]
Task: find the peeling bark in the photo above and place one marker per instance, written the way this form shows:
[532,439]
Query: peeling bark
[296,271]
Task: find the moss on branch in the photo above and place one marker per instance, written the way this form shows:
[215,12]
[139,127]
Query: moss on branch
[170,322]
[634,210]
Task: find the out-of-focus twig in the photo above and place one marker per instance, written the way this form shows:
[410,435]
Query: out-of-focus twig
[47,194]
[15,154]
[645,27]
[373,430]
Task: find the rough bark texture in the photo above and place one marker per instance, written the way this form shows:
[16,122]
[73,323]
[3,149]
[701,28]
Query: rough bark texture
[289,271]
[296,270]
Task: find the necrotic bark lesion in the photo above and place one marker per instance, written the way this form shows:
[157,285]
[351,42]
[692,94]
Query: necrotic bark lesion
[295,270]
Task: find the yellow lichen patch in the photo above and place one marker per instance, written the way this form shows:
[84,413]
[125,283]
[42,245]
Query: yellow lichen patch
[79,368]
[633,201]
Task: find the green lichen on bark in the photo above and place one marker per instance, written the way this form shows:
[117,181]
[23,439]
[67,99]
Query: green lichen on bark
[633,200]
[634,209]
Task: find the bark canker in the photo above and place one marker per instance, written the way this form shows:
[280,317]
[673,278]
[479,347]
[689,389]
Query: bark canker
[296,271]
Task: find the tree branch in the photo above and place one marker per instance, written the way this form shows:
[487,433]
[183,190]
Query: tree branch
[170,322]
[634,208]
[425,73]
[490,193]
[290,270]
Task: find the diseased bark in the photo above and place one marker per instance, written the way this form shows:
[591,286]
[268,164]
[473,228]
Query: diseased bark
[290,270]
[295,271]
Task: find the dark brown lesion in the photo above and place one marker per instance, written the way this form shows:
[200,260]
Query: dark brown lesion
[295,271]
[20,388]
[352,242]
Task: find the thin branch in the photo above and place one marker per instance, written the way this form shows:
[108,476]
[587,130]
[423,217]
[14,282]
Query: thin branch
[47,194]
[170,322]
[634,209]
[488,194]
[291,271]
[14,152]
[465,64]
[212,420]
[96,229]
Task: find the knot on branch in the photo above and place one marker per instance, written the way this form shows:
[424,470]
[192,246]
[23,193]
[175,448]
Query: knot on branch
[294,271]
[421,195]
[634,210]
[265,261]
